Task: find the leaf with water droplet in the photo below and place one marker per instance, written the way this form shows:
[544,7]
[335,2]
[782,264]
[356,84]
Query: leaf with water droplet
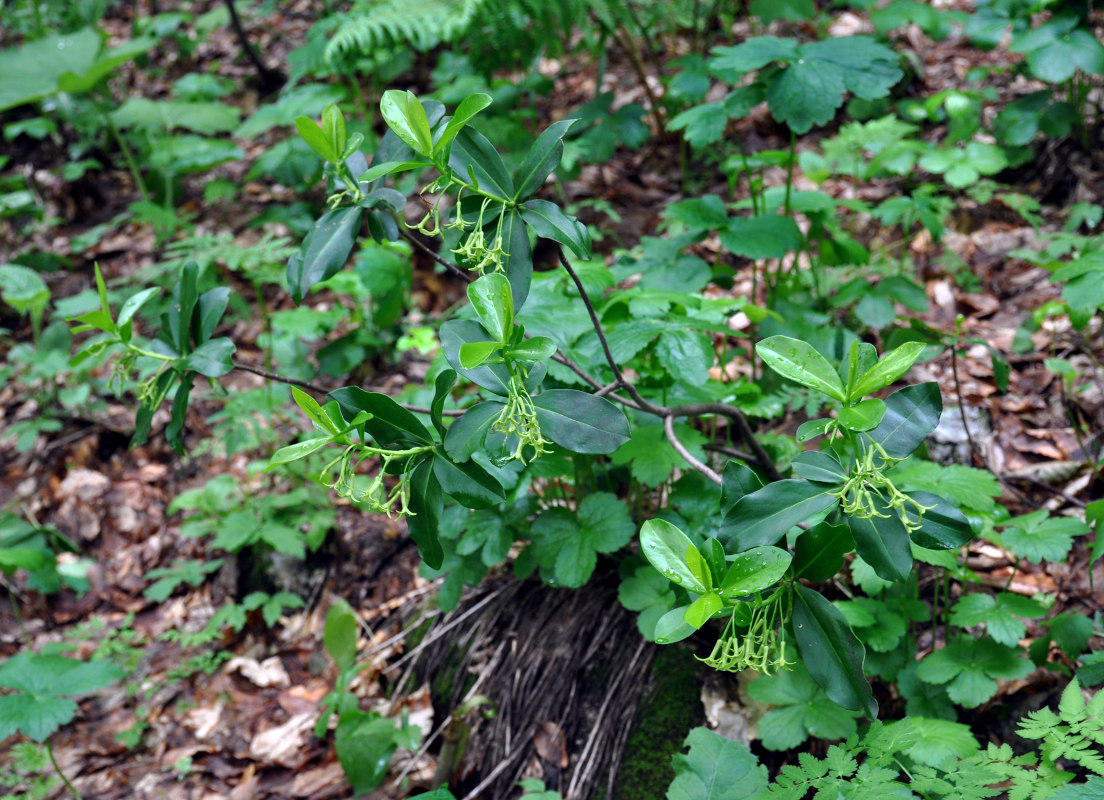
[754,571]
[665,546]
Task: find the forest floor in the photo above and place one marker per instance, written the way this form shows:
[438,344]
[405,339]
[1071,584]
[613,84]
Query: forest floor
[235,720]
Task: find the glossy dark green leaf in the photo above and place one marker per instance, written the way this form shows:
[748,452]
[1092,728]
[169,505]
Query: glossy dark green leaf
[581,422]
[763,517]
[466,435]
[800,362]
[543,157]
[911,415]
[665,547]
[819,466]
[883,542]
[184,297]
[384,409]
[495,377]
[549,222]
[446,379]
[174,431]
[737,480]
[537,348]
[324,251]
[755,570]
[812,429]
[864,415]
[518,261]
[468,482]
[212,304]
[426,506]
[819,551]
[861,357]
[714,554]
[830,650]
[943,527]
[472,151]
[212,358]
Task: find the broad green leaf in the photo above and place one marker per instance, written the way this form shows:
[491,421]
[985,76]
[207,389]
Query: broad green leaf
[24,290]
[468,108]
[819,551]
[43,681]
[888,369]
[179,317]
[581,422]
[966,487]
[333,126]
[911,415]
[943,527]
[715,768]
[651,458]
[1040,537]
[364,742]
[699,213]
[665,547]
[800,709]
[831,652]
[294,452]
[212,358]
[442,386]
[672,627]
[538,348]
[970,668]
[339,636]
[324,251]
[543,157]
[405,115]
[549,222]
[476,354]
[807,431]
[468,482]
[737,480]
[883,542]
[383,409]
[755,570]
[426,505]
[805,94]
[32,71]
[701,610]
[801,363]
[819,467]
[754,54]
[37,717]
[472,151]
[999,614]
[768,236]
[316,139]
[864,415]
[493,303]
[465,436]
[763,517]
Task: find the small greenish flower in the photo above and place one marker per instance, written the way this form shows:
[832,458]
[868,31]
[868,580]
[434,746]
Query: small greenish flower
[519,419]
[762,647]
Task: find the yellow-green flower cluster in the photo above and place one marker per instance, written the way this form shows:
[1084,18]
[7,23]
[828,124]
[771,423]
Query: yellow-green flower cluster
[762,647]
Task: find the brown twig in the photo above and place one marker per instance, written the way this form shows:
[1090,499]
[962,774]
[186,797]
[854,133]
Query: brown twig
[433,254]
[704,469]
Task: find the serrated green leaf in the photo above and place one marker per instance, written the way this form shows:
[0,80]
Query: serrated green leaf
[715,768]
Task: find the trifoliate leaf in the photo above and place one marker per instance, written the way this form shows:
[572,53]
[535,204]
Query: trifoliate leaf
[969,667]
[1038,536]
[999,614]
[650,456]
[802,710]
[965,486]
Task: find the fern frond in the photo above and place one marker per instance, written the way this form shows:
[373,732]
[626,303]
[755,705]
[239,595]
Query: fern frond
[422,24]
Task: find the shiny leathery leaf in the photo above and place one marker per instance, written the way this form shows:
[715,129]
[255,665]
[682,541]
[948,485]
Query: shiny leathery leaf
[212,358]
[405,115]
[324,251]
[737,480]
[865,415]
[518,261]
[538,348]
[468,108]
[333,126]
[819,551]
[942,527]
[700,611]
[383,409]
[133,303]
[316,139]
[714,556]
[581,422]
[801,363]
[446,379]
[812,429]
[666,548]
[755,570]
[179,317]
[466,435]
[911,415]
[672,627]
[549,222]
[830,650]
[892,366]
[763,517]
[860,358]
[495,377]
[473,155]
[543,157]
[210,308]
[883,542]
[468,482]
[493,303]
[819,467]
[426,505]
[476,354]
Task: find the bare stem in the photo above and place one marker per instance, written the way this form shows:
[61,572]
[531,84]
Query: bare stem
[704,469]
